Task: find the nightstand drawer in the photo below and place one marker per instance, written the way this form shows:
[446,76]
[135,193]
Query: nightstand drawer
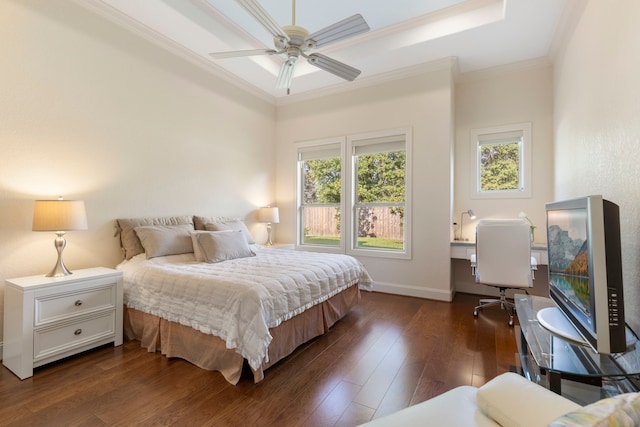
[50,341]
[61,306]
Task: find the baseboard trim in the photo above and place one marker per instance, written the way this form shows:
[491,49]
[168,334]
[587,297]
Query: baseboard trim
[414,291]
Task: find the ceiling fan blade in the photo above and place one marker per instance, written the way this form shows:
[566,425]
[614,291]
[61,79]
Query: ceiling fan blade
[346,28]
[237,53]
[286,73]
[338,68]
[261,15]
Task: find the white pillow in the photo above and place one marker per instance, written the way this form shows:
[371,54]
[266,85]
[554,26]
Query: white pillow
[218,247]
[514,401]
[197,249]
[161,240]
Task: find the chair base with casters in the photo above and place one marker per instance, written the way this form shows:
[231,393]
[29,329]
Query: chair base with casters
[503,302]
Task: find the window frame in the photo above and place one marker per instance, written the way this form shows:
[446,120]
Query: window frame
[497,133]
[371,139]
[348,205]
[319,145]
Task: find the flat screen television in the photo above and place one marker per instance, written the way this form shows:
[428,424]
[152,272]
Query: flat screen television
[585,273]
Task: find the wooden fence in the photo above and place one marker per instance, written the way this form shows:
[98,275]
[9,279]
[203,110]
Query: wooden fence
[326,222]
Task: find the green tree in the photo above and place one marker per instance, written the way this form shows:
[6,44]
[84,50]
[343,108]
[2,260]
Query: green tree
[500,167]
[322,181]
[381,178]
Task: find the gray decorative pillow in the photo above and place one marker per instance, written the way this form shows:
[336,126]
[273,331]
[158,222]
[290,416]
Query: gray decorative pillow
[161,240]
[218,247]
[236,225]
[197,249]
[129,241]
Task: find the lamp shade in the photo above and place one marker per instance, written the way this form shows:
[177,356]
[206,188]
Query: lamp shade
[269,214]
[59,215]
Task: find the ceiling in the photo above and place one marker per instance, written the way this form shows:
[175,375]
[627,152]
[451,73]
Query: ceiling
[405,36]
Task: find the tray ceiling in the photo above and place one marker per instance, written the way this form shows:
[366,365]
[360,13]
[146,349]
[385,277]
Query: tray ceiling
[405,35]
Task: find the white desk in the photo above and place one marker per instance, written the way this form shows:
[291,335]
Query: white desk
[464,250]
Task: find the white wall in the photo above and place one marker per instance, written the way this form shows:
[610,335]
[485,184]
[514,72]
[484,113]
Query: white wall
[90,111]
[515,94]
[597,123]
[422,102]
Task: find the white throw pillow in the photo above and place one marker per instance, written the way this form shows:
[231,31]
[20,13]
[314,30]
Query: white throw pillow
[514,401]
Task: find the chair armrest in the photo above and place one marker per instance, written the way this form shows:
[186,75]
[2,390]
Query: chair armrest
[512,400]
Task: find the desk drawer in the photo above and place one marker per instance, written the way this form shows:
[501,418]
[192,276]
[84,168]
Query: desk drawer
[53,340]
[56,307]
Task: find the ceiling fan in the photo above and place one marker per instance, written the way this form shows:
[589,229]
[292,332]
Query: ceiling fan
[294,41]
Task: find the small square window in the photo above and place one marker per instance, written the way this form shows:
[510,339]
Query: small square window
[501,159]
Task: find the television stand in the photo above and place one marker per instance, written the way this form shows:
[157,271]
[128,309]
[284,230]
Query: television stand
[558,324]
[549,359]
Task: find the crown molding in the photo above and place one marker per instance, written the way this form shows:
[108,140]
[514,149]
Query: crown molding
[500,70]
[450,63]
[568,22]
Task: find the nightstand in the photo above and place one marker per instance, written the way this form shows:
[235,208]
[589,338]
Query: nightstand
[49,318]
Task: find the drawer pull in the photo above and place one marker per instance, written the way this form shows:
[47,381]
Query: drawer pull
[77,332]
[78,303]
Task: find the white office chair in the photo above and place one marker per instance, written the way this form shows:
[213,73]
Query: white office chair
[503,259]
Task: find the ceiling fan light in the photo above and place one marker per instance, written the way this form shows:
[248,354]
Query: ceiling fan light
[286,73]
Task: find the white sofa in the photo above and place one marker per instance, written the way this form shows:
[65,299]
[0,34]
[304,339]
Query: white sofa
[511,400]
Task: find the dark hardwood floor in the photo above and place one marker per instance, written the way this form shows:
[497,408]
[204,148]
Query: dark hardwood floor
[388,353]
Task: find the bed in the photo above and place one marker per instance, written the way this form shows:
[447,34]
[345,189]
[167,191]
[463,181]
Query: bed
[198,288]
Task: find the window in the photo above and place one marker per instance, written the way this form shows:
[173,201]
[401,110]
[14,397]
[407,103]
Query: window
[379,178]
[354,194]
[501,157]
[320,194]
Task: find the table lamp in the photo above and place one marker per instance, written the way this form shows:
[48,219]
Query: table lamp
[269,215]
[59,216]
[471,214]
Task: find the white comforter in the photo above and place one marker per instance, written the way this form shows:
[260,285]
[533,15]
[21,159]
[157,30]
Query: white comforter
[238,300]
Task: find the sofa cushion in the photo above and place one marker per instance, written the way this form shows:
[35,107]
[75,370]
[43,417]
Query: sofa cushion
[512,401]
[622,410]
[455,408]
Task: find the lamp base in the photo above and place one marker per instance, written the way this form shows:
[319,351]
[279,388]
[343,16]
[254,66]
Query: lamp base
[59,270]
[269,242]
